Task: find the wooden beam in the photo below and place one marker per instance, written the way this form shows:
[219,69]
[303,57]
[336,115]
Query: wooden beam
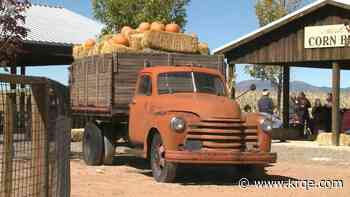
[9,130]
[285,95]
[231,80]
[22,101]
[40,144]
[335,103]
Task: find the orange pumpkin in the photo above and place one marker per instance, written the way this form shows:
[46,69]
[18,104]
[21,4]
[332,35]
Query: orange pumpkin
[120,39]
[157,26]
[89,43]
[172,27]
[144,27]
[126,31]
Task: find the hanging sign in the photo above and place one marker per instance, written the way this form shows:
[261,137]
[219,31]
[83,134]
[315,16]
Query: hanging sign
[327,36]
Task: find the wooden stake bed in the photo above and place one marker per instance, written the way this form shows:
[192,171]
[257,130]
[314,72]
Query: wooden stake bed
[103,86]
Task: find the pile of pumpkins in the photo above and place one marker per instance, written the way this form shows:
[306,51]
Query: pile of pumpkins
[122,38]
[120,42]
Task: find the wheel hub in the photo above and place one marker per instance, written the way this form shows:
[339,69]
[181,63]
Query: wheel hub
[160,156]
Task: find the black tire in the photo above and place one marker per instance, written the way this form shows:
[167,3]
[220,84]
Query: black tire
[109,149]
[162,172]
[93,145]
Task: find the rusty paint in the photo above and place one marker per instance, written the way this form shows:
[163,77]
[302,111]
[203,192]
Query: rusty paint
[214,121]
[220,157]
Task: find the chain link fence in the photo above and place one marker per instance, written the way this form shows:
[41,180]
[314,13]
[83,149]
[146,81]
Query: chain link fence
[34,137]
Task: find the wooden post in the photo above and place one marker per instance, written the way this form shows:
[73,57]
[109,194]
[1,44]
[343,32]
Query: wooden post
[9,130]
[335,103]
[285,92]
[231,80]
[40,141]
[13,71]
[22,103]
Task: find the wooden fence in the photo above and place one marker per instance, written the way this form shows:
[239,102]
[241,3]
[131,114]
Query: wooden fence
[34,138]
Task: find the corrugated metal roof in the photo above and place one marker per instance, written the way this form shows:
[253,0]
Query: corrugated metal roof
[267,28]
[58,25]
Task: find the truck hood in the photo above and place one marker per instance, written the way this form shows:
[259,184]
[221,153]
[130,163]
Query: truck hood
[207,106]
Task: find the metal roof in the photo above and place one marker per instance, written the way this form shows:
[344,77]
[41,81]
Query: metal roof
[282,21]
[58,25]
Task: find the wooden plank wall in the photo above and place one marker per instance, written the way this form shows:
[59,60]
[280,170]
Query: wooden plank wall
[91,82]
[286,44]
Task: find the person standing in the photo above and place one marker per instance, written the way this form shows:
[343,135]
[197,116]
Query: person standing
[303,105]
[318,117]
[265,103]
[328,112]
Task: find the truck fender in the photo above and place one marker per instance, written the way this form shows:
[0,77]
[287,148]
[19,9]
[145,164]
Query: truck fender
[263,137]
[148,141]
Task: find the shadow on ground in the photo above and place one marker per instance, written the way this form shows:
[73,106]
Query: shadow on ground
[200,174]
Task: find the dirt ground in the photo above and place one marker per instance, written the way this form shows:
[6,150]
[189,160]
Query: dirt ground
[131,177]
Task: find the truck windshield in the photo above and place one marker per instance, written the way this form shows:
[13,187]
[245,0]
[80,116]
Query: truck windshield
[182,82]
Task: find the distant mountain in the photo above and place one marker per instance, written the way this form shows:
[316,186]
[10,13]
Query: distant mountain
[295,86]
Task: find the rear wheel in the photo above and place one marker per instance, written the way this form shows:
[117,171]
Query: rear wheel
[93,145]
[109,143]
[162,170]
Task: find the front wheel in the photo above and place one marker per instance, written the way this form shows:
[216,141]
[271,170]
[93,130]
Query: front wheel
[162,170]
[93,145]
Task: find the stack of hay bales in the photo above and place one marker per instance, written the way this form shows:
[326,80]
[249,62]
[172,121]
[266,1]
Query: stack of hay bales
[151,38]
[325,139]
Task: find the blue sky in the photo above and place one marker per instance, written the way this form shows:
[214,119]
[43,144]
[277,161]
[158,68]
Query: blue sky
[215,22]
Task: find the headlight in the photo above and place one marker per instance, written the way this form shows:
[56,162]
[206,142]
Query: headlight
[177,124]
[266,124]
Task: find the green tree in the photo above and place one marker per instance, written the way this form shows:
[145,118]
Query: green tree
[268,11]
[117,13]
[12,30]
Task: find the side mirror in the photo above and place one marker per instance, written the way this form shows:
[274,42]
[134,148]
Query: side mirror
[252,87]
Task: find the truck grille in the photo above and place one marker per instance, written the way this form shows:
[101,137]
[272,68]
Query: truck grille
[224,134]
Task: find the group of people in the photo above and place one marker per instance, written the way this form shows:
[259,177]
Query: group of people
[299,109]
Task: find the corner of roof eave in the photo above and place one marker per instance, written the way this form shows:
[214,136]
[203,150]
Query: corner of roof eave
[229,46]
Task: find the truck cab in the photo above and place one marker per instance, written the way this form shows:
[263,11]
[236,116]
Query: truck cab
[182,114]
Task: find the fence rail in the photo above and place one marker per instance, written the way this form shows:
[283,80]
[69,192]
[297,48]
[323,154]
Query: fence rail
[34,137]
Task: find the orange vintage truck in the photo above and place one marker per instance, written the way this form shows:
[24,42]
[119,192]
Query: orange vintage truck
[174,112]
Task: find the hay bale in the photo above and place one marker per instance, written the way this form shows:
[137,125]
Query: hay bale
[172,42]
[135,41]
[85,52]
[77,51]
[97,49]
[131,33]
[110,47]
[344,140]
[325,139]
[77,135]
[203,48]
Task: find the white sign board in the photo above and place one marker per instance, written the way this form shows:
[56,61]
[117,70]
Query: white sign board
[327,36]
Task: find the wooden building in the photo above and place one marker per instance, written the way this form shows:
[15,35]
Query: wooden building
[52,33]
[316,36]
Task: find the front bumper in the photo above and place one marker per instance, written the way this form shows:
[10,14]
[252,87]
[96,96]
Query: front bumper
[220,157]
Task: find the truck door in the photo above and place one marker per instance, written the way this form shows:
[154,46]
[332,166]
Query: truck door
[139,109]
